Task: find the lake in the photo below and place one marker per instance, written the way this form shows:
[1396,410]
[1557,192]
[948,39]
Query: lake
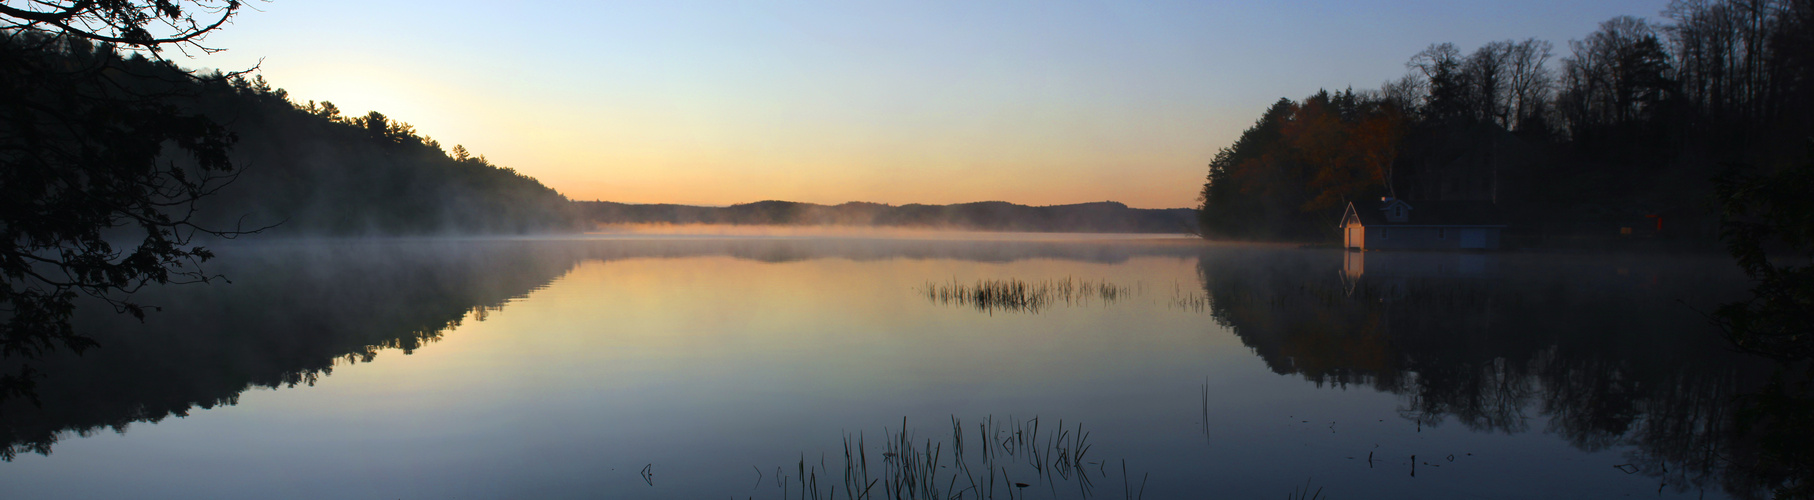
[626,366]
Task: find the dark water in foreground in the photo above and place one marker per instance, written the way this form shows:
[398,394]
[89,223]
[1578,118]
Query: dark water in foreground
[706,368]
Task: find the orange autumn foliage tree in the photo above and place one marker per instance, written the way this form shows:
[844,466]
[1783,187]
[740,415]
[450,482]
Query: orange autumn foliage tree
[1300,162]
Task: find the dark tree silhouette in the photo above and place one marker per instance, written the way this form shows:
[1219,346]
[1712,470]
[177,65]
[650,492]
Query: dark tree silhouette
[1762,214]
[98,180]
[1619,136]
[1767,222]
[1442,66]
[148,25]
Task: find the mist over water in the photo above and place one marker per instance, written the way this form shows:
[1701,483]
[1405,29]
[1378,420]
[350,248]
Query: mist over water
[854,232]
[415,320]
[665,365]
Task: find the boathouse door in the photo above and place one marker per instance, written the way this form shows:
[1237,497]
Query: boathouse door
[1473,238]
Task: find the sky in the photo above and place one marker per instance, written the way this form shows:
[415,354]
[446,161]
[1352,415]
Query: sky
[717,103]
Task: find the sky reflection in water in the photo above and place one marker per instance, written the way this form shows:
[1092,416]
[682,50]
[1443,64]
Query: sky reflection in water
[563,368]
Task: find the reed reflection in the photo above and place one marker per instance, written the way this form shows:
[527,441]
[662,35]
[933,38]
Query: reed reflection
[1610,352]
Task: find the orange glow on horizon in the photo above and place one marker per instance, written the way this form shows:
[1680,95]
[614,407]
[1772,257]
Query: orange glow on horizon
[665,102]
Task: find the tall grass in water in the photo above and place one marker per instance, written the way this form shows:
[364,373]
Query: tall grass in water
[1014,295]
[1189,300]
[983,467]
[1305,493]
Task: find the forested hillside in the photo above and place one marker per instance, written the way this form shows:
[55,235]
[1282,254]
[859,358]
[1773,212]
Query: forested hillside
[301,167]
[1625,128]
[323,173]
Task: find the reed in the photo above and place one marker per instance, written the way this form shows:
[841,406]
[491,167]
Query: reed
[1014,295]
[1190,300]
[918,468]
[1305,493]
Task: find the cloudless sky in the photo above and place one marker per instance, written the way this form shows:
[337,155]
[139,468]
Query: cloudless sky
[893,102]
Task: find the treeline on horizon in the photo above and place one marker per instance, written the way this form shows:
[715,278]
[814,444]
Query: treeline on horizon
[1628,127]
[306,169]
[1105,216]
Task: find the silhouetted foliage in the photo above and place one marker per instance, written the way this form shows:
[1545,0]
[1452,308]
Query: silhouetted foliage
[142,25]
[1767,221]
[1761,213]
[114,163]
[87,167]
[101,164]
[1625,131]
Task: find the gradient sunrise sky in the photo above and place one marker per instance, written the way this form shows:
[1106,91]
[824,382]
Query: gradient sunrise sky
[717,103]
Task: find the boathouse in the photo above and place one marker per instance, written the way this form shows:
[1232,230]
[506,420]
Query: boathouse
[1394,224]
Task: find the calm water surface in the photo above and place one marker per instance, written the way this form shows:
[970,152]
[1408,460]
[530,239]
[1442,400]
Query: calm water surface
[711,367]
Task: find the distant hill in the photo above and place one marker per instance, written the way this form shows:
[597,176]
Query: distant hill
[1100,217]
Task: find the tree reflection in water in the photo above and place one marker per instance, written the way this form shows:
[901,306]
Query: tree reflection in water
[1606,351]
[291,315]
[295,310]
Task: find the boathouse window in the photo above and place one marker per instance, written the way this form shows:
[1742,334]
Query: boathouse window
[1396,212]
